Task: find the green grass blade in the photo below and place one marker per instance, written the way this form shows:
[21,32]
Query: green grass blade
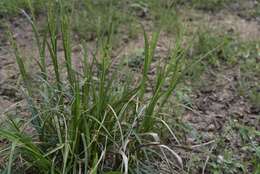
[10,162]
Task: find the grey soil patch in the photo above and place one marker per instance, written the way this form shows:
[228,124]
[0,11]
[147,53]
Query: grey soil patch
[218,103]
[224,21]
[216,112]
[9,74]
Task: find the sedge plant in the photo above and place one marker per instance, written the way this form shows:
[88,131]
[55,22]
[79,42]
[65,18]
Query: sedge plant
[90,120]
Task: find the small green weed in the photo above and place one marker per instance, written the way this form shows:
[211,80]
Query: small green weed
[210,5]
[248,54]
[12,7]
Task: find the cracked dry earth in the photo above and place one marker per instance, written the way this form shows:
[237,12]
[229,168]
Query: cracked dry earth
[217,107]
[10,92]
[218,102]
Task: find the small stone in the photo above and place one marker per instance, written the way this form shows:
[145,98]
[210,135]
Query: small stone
[211,127]
[190,140]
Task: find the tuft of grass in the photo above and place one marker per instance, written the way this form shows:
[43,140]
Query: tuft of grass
[208,41]
[212,5]
[91,120]
[12,7]
[248,83]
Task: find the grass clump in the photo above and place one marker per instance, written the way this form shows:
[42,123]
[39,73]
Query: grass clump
[210,5]
[90,120]
[208,41]
[12,7]
[247,86]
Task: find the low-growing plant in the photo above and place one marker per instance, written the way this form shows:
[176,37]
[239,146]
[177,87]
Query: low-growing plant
[210,5]
[210,40]
[90,120]
[11,7]
[248,53]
